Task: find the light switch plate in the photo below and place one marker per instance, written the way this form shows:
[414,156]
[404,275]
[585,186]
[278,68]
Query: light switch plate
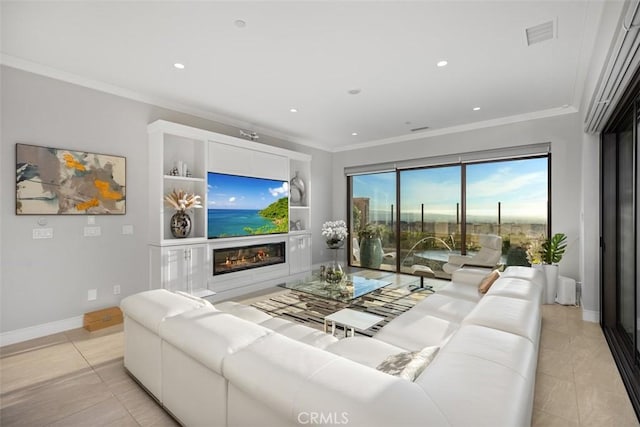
[43,233]
[94,231]
[92,295]
[127,229]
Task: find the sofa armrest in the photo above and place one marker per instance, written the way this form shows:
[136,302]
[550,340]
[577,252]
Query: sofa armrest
[469,276]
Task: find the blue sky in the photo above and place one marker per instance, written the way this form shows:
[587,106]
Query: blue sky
[239,192]
[520,186]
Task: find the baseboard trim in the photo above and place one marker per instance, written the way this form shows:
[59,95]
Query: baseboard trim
[37,331]
[591,316]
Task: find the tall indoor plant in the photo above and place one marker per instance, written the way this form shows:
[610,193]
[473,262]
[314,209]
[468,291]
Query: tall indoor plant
[551,253]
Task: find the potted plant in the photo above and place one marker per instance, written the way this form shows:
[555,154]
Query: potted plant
[335,232]
[551,253]
[371,245]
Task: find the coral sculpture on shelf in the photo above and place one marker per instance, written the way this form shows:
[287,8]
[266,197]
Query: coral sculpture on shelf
[181,200]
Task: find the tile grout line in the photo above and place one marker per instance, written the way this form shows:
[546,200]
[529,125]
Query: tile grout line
[113,395]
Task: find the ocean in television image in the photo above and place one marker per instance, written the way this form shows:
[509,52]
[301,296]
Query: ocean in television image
[245,206]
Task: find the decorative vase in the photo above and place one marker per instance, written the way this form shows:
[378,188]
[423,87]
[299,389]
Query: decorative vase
[296,190]
[371,252]
[334,273]
[335,243]
[551,272]
[180,225]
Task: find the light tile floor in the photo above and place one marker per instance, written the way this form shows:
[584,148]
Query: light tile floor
[76,378]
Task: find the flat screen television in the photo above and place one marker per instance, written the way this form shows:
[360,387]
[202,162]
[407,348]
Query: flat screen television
[246,206]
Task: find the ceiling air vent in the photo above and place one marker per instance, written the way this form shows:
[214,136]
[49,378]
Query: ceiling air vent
[419,129]
[539,33]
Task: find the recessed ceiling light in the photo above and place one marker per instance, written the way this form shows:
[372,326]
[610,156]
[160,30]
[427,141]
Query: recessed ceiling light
[240,23]
[294,110]
[179,66]
[354,91]
[354,133]
[442,63]
[476,108]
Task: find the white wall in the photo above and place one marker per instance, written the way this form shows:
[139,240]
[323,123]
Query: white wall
[564,133]
[43,281]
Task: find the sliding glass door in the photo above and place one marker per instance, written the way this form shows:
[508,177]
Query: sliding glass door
[429,215]
[372,216]
[619,248]
[508,198]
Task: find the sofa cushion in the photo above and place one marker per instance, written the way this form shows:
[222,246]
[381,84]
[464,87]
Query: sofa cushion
[410,364]
[445,307]
[414,330]
[462,291]
[209,337]
[293,379]
[364,350]
[514,315]
[299,332]
[517,288]
[243,311]
[151,308]
[472,391]
[504,348]
[527,273]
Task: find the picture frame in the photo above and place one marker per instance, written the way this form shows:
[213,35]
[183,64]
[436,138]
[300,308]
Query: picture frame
[55,181]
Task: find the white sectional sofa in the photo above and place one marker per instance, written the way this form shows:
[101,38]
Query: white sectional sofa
[233,365]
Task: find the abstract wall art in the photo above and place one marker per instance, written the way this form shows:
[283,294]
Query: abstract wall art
[65,182]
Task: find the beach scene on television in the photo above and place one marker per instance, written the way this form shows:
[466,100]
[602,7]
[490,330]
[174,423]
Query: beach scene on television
[245,206]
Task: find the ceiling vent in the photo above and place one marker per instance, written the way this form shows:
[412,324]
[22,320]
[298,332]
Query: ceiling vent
[540,33]
[419,129]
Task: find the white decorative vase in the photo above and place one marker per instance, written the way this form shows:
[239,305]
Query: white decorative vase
[551,273]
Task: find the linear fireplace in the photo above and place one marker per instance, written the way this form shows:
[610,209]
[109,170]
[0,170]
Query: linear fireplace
[238,258]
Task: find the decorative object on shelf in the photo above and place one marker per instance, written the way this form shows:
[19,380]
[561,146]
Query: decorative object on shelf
[371,252]
[174,171]
[180,223]
[335,232]
[296,190]
[64,182]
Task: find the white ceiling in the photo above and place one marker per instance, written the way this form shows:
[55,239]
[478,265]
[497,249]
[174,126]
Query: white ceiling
[308,55]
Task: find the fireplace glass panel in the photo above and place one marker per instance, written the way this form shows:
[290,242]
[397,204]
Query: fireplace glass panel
[238,258]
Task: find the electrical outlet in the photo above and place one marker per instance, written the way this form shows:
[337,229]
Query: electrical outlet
[116,289]
[94,231]
[127,229]
[92,295]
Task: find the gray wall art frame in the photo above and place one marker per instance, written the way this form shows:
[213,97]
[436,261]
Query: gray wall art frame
[55,181]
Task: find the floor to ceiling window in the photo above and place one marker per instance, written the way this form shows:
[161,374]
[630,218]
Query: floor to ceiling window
[443,209]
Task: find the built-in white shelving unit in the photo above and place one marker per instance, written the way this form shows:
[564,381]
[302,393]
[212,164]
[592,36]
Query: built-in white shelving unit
[186,263]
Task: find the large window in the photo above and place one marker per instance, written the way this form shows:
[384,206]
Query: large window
[443,209]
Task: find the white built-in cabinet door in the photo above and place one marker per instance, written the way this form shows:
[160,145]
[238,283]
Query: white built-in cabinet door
[184,268]
[299,253]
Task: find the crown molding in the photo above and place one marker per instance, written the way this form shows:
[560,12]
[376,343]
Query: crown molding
[552,112]
[54,73]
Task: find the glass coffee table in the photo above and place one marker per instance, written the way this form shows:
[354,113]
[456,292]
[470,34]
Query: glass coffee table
[355,284]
